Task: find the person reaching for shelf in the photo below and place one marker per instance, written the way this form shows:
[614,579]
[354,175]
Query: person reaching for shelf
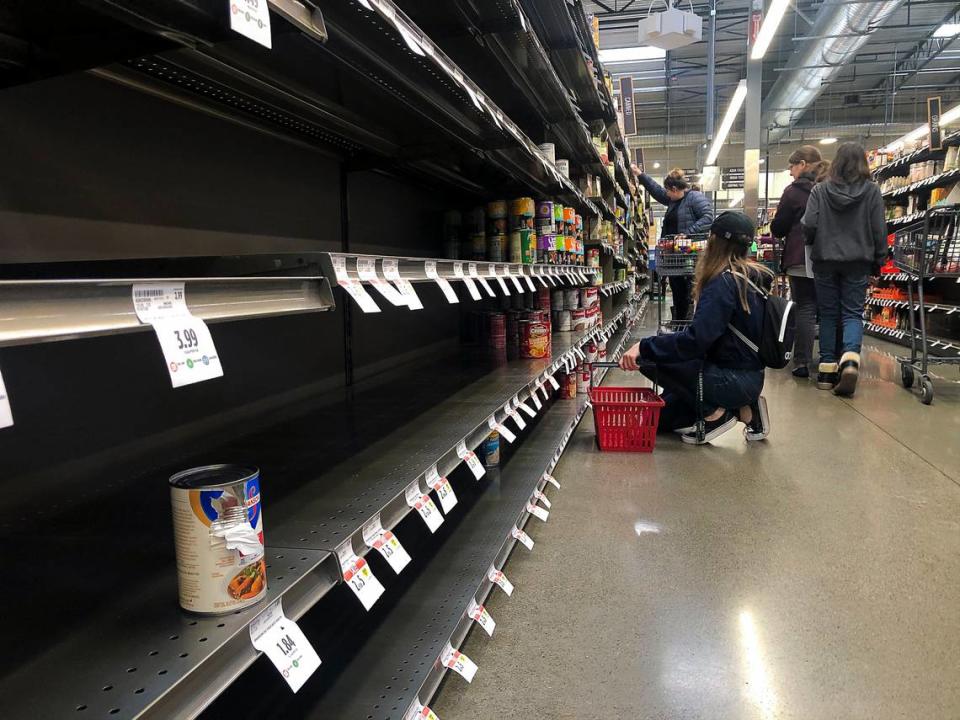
[688,212]
[846,227]
[728,300]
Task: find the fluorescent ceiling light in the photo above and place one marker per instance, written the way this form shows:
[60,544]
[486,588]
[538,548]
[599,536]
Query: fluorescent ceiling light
[771,22]
[947,118]
[656,165]
[631,54]
[736,198]
[947,30]
[827,141]
[762,160]
[736,102]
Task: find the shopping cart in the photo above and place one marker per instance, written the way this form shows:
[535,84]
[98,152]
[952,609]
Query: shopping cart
[925,250]
[676,257]
[625,417]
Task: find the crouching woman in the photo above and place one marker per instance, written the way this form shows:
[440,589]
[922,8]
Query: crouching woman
[727,302]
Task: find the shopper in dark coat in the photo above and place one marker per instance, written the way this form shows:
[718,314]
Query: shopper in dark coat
[728,301]
[688,212]
[845,224]
[786,224]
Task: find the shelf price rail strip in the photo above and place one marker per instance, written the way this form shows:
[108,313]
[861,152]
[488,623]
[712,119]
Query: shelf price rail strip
[934,181]
[928,306]
[62,309]
[143,657]
[903,337]
[400,667]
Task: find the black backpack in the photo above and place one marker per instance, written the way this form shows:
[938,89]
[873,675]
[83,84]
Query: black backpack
[775,347]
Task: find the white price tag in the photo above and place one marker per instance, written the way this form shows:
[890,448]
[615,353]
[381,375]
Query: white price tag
[282,640]
[459,663]
[526,408]
[492,272]
[516,282]
[535,397]
[419,711]
[538,495]
[423,504]
[367,270]
[552,280]
[537,273]
[552,480]
[470,458]
[251,18]
[184,339]
[358,576]
[528,280]
[385,543]
[517,418]
[498,578]
[538,512]
[443,488]
[521,536]
[363,299]
[391,270]
[340,268]
[478,613]
[471,285]
[431,268]
[6,414]
[502,429]
[553,382]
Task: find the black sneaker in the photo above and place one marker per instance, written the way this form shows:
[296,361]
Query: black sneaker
[801,372]
[712,429]
[759,426]
[828,376]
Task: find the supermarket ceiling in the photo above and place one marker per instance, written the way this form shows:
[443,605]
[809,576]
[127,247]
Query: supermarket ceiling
[907,52]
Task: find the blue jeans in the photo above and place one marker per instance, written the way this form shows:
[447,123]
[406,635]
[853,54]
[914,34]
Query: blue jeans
[840,299]
[722,387]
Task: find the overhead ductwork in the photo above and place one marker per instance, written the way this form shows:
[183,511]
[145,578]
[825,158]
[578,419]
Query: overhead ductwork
[838,32]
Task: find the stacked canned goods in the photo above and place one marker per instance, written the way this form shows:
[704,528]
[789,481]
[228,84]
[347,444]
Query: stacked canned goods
[523,236]
[476,234]
[497,330]
[546,231]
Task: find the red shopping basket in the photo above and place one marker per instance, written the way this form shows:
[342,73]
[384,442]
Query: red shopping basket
[626,418]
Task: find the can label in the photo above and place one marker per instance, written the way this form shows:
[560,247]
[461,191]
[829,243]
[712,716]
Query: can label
[534,339]
[528,246]
[218,535]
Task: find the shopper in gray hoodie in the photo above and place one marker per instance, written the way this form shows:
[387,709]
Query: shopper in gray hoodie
[845,223]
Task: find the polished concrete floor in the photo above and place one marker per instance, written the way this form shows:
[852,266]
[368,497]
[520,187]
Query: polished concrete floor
[813,576]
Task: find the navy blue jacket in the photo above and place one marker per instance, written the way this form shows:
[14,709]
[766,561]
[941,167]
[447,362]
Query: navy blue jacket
[708,337]
[695,214]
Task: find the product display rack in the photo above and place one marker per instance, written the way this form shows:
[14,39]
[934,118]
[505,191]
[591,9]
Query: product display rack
[374,87]
[934,181]
[175,664]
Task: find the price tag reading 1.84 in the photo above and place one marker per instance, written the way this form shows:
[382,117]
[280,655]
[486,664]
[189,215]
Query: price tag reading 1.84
[282,640]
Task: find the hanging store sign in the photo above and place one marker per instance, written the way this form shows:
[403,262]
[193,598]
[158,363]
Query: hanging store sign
[933,118]
[626,96]
[732,178]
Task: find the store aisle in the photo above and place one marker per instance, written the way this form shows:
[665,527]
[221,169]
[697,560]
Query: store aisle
[814,576]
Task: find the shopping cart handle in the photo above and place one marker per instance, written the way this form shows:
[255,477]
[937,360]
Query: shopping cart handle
[605,364]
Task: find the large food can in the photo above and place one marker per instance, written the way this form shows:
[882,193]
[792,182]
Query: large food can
[571,298]
[534,339]
[496,248]
[528,246]
[516,247]
[218,534]
[490,450]
[478,246]
[569,388]
[522,207]
[543,300]
[589,297]
[561,320]
[545,210]
[583,378]
[579,319]
[556,298]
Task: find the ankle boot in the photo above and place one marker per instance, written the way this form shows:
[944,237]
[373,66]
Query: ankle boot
[828,376]
[849,370]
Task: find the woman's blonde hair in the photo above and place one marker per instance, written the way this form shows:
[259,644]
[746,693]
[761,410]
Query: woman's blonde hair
[676,180]
[722,255]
